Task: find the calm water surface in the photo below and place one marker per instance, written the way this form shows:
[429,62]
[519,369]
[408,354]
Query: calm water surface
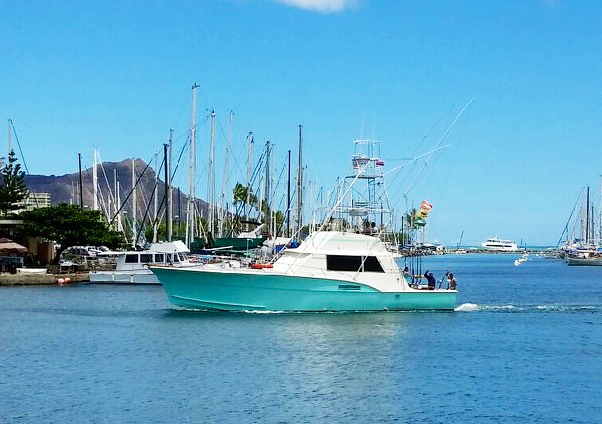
[525,345]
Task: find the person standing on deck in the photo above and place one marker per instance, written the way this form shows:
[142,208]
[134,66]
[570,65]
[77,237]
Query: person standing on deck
[431,280]
[451,281]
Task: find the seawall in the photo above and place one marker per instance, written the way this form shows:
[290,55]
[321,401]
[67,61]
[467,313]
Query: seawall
[41,279]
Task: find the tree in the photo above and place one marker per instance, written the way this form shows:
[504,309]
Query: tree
[12,185]
[413,219]
[241,193]
[69,225]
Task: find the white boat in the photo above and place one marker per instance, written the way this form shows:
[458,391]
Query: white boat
[495,243]
[131,267]
[32,271]
[329,271]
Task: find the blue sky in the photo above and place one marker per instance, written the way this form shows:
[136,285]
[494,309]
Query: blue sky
[117,75]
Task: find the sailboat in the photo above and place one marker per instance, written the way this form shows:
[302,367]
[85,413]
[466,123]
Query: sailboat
[583,252]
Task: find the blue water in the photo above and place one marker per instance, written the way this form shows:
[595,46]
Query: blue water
[525,345]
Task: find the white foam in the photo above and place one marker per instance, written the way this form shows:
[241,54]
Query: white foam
[258,311]
[467,307]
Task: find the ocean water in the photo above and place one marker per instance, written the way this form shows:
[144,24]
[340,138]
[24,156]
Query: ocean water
[523,346]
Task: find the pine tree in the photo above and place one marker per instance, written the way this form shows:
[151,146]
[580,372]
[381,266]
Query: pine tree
[12,185]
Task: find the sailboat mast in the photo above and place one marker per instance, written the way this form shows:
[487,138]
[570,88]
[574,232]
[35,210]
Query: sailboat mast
[95,181]
[212,176]
[267,185]
[156,197]
[300,182]
[81,187]
[191,171]
[288,198]
[168,195]
[600,215]
[133,204]
[223,203]
[115,201]
[587,217]
[10,137]
[249,173]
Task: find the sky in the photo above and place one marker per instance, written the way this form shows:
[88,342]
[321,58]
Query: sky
[117,76]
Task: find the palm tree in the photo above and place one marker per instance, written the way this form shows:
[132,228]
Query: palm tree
[241,193]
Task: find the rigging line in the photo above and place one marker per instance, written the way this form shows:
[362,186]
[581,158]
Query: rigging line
[130,193]
[571,216]
[274,189]
[439,143]
[343,196]
[399,168]
[103,206]
[148,204]
[12,125]
[428,132]
[173,173]
[221,127]
[112,197]
[18,144]
[409,161]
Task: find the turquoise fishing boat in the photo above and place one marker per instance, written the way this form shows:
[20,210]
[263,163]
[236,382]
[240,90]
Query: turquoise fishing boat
[329,271]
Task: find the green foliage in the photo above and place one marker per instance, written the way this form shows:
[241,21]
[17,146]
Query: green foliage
[241,193]
[412,220]
[12,185]
[176,230]
[69,225]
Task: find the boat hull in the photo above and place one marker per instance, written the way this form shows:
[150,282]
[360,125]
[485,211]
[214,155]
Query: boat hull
[235,243]
[138,276]
[584,261]
[266,290]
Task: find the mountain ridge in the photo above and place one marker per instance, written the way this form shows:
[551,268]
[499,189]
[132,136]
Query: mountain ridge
[65,188]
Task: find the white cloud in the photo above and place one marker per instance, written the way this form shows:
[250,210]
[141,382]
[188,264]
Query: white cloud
[321,5]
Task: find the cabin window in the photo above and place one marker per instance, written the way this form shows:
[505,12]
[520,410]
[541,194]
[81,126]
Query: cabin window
[343,263]
[353,263]
[146,258]
[159,258]
[131,258]
[372,265]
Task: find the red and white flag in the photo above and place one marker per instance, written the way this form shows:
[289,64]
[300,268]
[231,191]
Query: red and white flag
[426,205]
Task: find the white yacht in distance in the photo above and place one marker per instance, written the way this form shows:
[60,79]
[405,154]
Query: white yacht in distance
[495,243]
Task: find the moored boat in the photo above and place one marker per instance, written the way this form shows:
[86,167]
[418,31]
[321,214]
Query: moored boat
[329,271]
[589,261]
[131,267]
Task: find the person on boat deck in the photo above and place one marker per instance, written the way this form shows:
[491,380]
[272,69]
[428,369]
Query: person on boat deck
[431,280]
[406,271]
[451,282]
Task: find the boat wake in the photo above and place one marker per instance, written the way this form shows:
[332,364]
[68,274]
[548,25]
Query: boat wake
[473,307]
